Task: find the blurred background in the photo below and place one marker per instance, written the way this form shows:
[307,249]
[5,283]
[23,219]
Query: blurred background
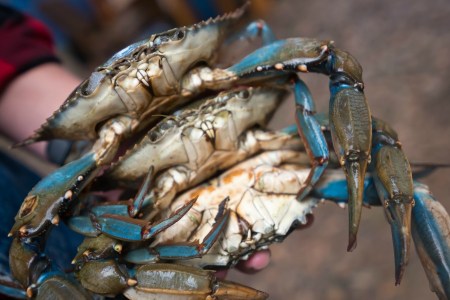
[403,47]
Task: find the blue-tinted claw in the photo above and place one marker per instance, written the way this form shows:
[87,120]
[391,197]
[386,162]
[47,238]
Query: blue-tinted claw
[83,225]
[52,195]
[134,230]
[132,207]
[399,217]
[431,234]
[181,250]
[394,184]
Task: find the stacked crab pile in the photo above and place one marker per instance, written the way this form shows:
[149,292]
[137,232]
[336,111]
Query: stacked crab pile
[212,184]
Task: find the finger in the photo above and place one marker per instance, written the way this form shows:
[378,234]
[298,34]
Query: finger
[255,263]
[309,222]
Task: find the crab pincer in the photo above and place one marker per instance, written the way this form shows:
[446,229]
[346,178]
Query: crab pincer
[52,196]
[393,181]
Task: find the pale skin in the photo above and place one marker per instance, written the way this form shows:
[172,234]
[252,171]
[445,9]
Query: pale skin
[34,95]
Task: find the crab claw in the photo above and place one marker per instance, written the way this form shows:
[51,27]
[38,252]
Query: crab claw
[398,213]
[129,229]
[393,181]
[52,195]
[355,168]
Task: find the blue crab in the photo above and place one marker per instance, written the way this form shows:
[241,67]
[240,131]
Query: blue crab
[156,76]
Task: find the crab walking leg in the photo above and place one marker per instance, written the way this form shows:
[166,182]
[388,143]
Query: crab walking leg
[431,234]
[103,245]
[312,136]
[160,281]
[184,250]
[130,208]
[393,181]
[350,117]
[350,122]
[88,227]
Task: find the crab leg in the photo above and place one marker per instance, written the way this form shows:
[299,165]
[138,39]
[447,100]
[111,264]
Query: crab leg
[179,251]
[160,281]
[130,208]
[310,132]
[129,229]
[123,227]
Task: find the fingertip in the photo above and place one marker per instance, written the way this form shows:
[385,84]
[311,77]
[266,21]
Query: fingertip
[255,263]
[221,274]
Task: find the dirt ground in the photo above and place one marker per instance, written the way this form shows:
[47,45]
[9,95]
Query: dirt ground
[403,48]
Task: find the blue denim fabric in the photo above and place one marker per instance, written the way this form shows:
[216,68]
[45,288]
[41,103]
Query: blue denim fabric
[16,181]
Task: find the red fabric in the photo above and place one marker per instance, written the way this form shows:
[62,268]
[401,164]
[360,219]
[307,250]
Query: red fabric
[25,43]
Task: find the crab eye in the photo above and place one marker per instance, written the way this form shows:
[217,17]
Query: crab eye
[91,84]
[245,94]
[154,135]
[178,35]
